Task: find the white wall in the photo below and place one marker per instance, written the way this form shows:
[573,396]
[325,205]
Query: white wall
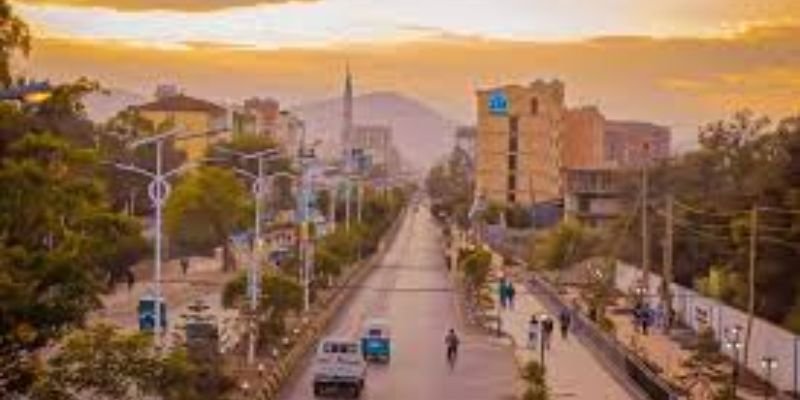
[767,338]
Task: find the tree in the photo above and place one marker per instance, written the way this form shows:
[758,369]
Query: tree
[534,376]
[103,363]
[204,210]
[563,246]
[58,241]
[15,38]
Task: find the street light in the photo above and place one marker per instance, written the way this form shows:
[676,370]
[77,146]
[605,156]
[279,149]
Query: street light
[254,273]
[733,341]
[768,363]
[158,191]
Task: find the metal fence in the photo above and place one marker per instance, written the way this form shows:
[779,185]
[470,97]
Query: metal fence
[639,380]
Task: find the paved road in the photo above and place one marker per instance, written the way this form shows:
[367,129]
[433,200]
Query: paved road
[410,288]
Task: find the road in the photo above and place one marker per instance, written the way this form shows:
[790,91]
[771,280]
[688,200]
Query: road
[410,287]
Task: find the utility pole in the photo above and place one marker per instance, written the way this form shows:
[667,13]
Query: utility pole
[305,230]
[347,191]
[645,230]
[359,199]
[666,276]
[332,207]
[751,277]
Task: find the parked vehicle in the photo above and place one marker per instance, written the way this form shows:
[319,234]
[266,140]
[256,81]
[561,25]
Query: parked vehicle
[339,367]
[376,340]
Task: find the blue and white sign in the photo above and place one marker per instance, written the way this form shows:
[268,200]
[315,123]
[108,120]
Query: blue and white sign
[498,103]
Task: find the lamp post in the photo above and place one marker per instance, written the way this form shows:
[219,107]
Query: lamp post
[254,273]
[158,191]
[733,341]
[768,363]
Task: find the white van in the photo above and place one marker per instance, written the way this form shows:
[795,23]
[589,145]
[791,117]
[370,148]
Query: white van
[339,367]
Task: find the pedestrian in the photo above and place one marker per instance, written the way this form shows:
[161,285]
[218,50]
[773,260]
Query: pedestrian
[644,319]
[565,319]
[184,265]
[533,332]
[512,292]
[547,331]
[131,279]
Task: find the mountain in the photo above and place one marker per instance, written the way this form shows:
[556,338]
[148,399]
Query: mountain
[421,134]
[100,106]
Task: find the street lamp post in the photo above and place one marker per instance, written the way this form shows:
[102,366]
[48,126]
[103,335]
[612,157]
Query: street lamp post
[254,273]
[733,341]
[158,191]
[768,363]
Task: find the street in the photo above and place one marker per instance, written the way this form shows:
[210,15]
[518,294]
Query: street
[411,289]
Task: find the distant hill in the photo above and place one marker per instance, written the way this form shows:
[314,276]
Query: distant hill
[102,106]
[421,134]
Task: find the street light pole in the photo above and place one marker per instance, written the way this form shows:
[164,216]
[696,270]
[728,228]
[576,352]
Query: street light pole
[768,363]
[159,199]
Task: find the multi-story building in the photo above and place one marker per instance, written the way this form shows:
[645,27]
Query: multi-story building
[629,144]
[202,122]
[266,111]
[518,157]
[288,132]
[373,140]
[592,195]
[584,135]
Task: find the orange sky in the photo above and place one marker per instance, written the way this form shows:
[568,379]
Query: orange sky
[704,61]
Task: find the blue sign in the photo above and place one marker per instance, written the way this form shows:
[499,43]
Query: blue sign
[498,103]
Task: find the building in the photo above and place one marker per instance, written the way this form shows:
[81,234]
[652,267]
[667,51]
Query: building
[288,132]
[347,115]
[518,157]
[202,122]
[266,111]
[628,144]
[592,195]
[374,140]
[583,138]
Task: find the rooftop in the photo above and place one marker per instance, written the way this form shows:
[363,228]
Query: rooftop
[182,102]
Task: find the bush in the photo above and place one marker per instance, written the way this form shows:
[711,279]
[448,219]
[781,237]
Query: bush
[534,375]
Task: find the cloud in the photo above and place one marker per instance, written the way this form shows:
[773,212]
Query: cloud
[681,82]
[171,5]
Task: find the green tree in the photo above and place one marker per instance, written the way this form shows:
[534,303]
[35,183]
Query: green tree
[566,244]
[205,208]
[536,384]
[58,241]
[103,363]
[15,38]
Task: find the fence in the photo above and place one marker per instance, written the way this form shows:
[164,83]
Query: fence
[635,376]
[699,312]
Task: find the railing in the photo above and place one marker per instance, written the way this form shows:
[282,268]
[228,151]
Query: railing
[639,380]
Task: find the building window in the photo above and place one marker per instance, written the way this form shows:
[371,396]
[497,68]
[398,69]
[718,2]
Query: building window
[511,197]
[512,182]
[534,106]
[512,162]
[513,143]
[513,125]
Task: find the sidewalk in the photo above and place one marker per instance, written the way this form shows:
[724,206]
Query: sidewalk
[572,371]
[204,280]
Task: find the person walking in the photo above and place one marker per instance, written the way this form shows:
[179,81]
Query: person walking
[547,331]
[565,319]
[512,292]
[533,332]
[184,265]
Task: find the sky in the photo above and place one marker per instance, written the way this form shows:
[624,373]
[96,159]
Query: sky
[675,62]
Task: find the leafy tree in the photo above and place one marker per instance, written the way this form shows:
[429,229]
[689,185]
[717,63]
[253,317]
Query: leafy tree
[476,265]
[15,38]
[450,186]
[566,244]
[534,376]
[58,241]
[103,363]
[205,209]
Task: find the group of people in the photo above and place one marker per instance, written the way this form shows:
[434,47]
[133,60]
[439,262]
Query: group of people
[507,294]
[543,325]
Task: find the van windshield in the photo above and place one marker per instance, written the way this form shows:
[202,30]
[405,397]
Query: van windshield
[340,348]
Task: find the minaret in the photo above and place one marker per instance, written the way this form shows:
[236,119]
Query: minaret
[347,113]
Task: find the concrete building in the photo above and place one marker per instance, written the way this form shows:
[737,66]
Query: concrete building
[203,122]
[592,195]
[519,131]
[583,138]
[628,144]
[374,140]
[266,111]
[288,132]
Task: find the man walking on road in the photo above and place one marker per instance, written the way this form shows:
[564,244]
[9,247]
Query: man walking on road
[533,331]
[547,331]
[565,319]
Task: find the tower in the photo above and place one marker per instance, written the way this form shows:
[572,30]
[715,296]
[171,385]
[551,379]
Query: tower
[347,112]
